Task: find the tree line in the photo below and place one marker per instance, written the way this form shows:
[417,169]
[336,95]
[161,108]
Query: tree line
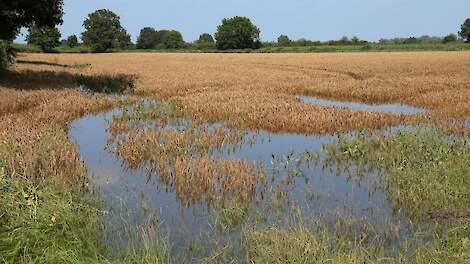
[104,32]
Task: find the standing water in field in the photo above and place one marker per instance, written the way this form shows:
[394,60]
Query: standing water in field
[387,108]
[150,163]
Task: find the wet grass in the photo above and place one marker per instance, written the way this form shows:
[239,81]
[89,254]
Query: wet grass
[428,170]
[303,243]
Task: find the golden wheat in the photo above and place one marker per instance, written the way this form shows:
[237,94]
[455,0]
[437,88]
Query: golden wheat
[258,90]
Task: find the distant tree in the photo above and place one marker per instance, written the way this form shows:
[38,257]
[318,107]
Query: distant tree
[159,36]
[283,40]
[411,40]
[465,30]
[356,40]
[449,38]
[72,41]
[205,42]
[124,40]
[302,42]
[103,31]
[45,37]
[147,38]
[173,40]
[344,40]
[237,33]
[206,38]
[15,14]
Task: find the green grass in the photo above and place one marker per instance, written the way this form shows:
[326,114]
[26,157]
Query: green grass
[46,223]
[304,243]
[428,171]
[77,49]
[26,48]
[54,223]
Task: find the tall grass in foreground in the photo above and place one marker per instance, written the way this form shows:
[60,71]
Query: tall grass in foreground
[46,224]
[51,223]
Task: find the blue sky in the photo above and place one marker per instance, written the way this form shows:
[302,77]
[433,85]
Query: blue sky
[314,19]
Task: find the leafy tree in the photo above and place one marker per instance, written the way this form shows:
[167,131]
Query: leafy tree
[449,38]
[283,40]
[172,40]
[356,40]
[15,14]
[344,40]
[124,40]
[205,42]
[24,13]
[45,37]
[72,41]
[206,38]
[147,38]
[159,36]
[237,33]
[103,31]
[465,30]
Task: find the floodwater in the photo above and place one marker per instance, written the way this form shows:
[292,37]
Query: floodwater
[313,190]
[387,108]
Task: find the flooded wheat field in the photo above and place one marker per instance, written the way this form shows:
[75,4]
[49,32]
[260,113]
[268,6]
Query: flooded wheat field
[235,158]
[152,165]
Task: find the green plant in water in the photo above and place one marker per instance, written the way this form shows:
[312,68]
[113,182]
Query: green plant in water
[427,169]
[231,216]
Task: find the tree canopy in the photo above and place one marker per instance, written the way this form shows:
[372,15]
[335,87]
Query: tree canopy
[205,38]
[45,37]
[449,38]
[237,33]
[465,30]
[147,38]
[283,40]
[24,13]
[103,31]
[72,41]
[173,39]
[150,38]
